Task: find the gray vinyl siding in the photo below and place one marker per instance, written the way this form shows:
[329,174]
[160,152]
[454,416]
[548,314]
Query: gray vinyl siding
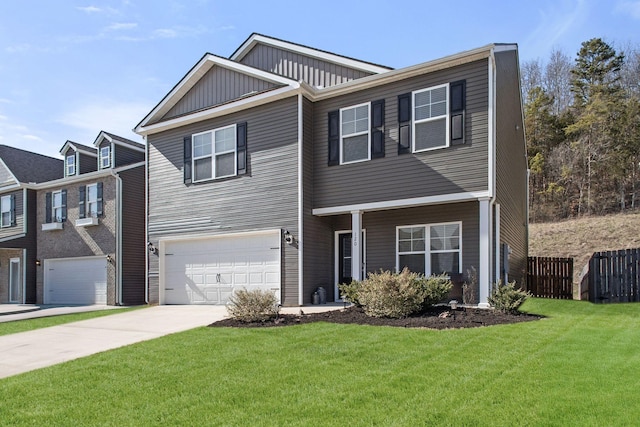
[217,86]
[318,231]
[456,169]
[511,170]
[87,163]
[298,67]
[125,155]
[17,229]
[6,178]
[265,198]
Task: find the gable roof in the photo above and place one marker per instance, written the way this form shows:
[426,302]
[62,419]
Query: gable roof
[323,55]
[207,62]
[119,140]
[27,166]
[81,148]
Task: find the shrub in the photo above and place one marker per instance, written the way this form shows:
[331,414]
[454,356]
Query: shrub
[349,291]
[387,294]
[507,298]
[435,288]
[253,306]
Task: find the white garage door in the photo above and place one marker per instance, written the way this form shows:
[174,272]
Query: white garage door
[207,271]
[76,281]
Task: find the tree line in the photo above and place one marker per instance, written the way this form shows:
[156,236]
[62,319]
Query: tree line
[582,121]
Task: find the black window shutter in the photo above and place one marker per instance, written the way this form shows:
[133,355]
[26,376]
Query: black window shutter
[47,209]
[64,205]
[82,197]
[13,210]
[99,204]
[241,147]
[457,95]
[187,159]
[377,129]
[404,123]
[334,138]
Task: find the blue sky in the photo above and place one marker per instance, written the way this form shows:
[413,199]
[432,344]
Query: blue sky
[69,69]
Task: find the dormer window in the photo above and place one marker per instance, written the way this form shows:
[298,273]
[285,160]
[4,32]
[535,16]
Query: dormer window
[70,164]
[105,157]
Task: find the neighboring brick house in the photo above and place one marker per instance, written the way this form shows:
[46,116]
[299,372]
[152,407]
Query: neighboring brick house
[91,245]
[20,171]
[286,167]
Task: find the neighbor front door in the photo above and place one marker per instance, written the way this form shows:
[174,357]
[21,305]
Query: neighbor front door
[343,258]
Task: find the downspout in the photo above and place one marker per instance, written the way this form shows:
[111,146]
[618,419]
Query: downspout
[118,236]
[300,203]
[146,219]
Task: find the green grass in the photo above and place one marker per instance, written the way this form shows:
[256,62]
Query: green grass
[577,367]
[16,326]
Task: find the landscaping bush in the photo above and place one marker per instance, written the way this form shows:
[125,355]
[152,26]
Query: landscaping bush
[435,289]
[253,306]
[387,294]
[349,291]
[507,298]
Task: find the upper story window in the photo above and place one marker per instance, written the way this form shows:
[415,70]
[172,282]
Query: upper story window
[56,206]
[70,164]
[430,249]
[7,211]
[90,204]
[92,200]
[214,154]
[105,157]
[431,118]
[354,134]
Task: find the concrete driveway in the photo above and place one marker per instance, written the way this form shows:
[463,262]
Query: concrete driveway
[26,351]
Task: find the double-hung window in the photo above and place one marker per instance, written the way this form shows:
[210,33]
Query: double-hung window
[70,164]
[6,211]
[105,157]
[56,206]
[92,201]
[430,249]
[354,134]
[431,118]
[214,154]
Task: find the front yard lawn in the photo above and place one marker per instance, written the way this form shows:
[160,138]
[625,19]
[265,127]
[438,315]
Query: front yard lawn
[579,366]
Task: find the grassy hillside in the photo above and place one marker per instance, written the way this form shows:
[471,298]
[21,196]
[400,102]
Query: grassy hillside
[580,238]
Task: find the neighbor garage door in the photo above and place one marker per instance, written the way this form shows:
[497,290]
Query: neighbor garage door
[207,271]
[76,281]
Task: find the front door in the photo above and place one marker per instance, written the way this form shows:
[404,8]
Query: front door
[343,258]
[15,284]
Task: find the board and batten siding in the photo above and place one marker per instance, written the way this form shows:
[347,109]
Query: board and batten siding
[298,67]
[265,198]
[126,156]
[18,229]
[133,245]
[217,86]
[456,169]
[86,164]
[511,161]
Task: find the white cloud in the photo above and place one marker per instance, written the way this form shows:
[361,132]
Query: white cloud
[31,137]
[111,116]
[89,9]
[164,33]
[18,48]
[631,8]
[555,22]
[121,26]
[5,101]
[3,117]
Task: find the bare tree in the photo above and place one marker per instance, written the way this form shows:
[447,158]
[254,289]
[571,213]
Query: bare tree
[531,74]
[557,81]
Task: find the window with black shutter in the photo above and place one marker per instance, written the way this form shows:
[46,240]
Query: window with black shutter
[334,138]
[241,147]
[187,159]
[82,197]
[457,103]
[404,123]
[377,129]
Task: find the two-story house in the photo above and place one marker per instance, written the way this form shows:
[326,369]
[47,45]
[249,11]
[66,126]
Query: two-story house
[20,171]
[91,246]
[285,167]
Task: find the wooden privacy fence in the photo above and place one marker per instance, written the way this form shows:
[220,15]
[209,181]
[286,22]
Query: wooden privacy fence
[549,277]
[614,276]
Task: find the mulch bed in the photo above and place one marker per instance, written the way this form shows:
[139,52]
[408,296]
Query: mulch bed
[440,317]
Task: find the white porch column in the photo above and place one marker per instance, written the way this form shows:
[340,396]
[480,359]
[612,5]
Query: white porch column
[484,275]
[356,245]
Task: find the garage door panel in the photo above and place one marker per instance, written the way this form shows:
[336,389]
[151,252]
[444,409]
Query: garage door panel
[76,281]
[218,266]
